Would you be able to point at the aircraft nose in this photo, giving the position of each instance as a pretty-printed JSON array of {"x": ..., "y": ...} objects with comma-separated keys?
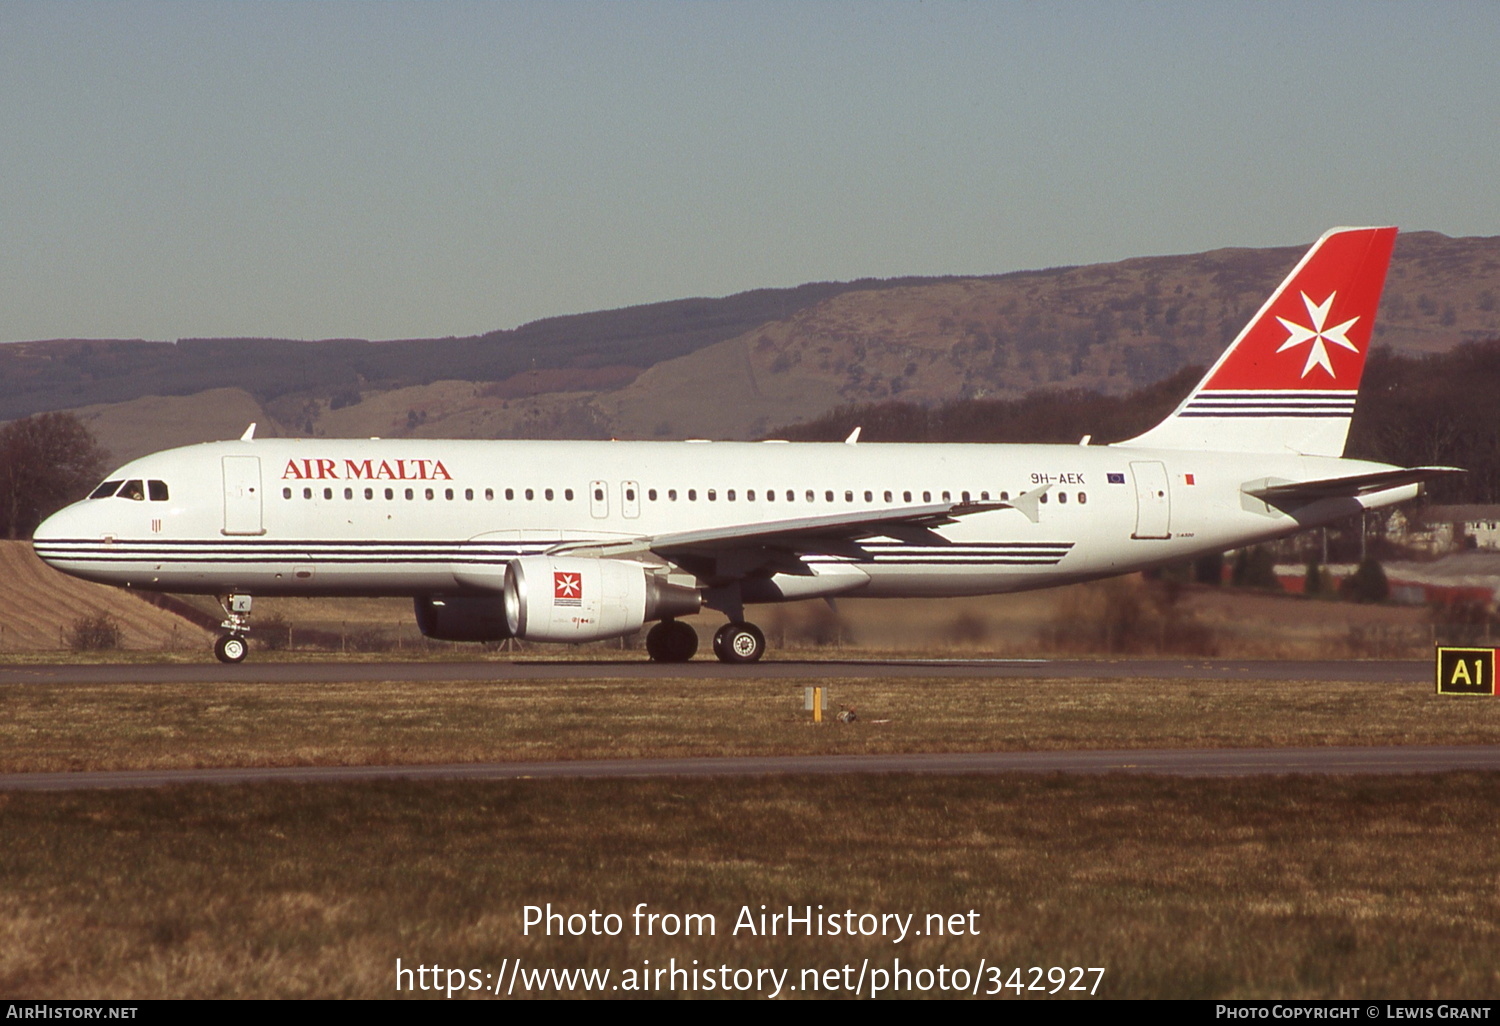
[{"x": 60, "y": 526}]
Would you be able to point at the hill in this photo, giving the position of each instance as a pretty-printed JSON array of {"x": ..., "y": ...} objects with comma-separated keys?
[
  {"x": 735, "y": 367},
  {"x": 39, "y": 606}
]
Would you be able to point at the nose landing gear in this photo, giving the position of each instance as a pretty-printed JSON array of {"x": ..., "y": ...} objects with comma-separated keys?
[{"x": 231, "y": 647}]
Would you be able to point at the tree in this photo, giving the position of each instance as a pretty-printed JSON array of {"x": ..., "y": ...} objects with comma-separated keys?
[{"x": 46, "y": 461}]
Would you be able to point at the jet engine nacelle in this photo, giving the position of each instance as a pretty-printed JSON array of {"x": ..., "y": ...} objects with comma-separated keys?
[
  {"x": 562, "y": 598},
  {"x": 462, "y": 617}
]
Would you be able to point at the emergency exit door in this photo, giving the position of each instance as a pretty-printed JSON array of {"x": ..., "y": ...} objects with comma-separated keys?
[
  {"x": 1153, "y": 500},
  {"x": 242, "y": 495}
]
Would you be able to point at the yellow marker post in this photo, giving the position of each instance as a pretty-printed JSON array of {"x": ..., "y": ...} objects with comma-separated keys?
[
  {"x": 812, "y": 701},
  {"x": 1466, "y": 671}
]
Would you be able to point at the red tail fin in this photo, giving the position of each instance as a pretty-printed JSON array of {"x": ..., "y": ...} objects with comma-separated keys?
[{"x": 1289, "y": 381}]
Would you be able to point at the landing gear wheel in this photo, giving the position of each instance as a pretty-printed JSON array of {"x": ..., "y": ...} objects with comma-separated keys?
[
  {"x": 230, "y": 648},
  {"x": 671, "y": 641},
  {"x": 739, "y": 643}
]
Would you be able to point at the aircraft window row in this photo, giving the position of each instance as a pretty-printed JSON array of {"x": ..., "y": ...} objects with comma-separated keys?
[
  {"x": 158, "y": 493},
  {"x": 137, "y": 491},
  {"x": 425, "y": 493},
  {"x": 771, "y": 495}
]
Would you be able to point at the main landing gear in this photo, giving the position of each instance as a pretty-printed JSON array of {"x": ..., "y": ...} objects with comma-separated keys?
[
  {"x": 231, "y": 647},
  {"x": 673, "y": 641},
  {"x": 739, "y": 642}
]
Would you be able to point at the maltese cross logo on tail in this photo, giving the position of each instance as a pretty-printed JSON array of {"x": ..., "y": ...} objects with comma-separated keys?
[
  {"x": 1318, "y": 334},
  {"x": 567, "y": 589},
  {"x": 1313, "y": 334}
]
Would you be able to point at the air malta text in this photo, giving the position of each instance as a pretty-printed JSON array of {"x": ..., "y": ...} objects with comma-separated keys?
[{"x": 365, "y": 470}]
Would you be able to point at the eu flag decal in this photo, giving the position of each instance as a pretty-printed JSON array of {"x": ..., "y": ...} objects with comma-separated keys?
[{"x": 1116, "y": 478}]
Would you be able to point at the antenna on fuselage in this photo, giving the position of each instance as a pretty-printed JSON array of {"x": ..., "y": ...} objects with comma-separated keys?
[{"x": 249, "y": 435}]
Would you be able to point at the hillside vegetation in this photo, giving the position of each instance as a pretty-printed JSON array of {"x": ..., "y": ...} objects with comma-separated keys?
[
  {"x": 39, "y": 608},
  {"x": 736, "y": 367}
]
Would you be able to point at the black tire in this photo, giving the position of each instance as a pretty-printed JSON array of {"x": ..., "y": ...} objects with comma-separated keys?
[
  {"x": 671, "y": 641},
  {"x": 739, "y": 643},
  {"x": 230, "y": 648}
]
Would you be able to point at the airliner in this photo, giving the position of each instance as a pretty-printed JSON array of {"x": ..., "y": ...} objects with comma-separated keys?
[{"x": 574, "y": 541}]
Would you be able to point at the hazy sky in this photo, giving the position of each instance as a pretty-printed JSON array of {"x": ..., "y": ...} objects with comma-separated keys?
[{"x": 385, "y": 170}]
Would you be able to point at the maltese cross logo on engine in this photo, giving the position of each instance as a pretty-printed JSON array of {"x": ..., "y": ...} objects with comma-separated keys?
[{"x": 1318, "y": 334}]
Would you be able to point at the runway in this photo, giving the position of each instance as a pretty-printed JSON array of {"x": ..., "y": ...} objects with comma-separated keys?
[
  {"x": 639, "y": 669},
  {"x": 1214, "y": 762}
]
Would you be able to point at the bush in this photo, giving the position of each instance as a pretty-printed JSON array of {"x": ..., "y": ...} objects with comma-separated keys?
[
  {"x": 1368, "y": 583},
  {"x": 96, "y": 633}
]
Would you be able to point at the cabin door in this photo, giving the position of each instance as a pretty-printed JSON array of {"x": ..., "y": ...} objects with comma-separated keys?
[
  {"x": 242, "y": 495},
  {"x": 599, "y": 499},
  {"x": 1153, "y": 500}
]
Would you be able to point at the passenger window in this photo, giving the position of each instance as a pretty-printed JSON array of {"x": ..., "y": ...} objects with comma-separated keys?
[
  {"x": 307, "y": 493},
  {"x": 650, "y": 494},
  {"x": 791, "y": 496},
  {"x": 1082, "y": 498},
  {"x": 811, "y": 497},
  {"x": 327, "y": 493},
  {"x": 1005, "y": 496},
  {"x": 869, "y": 496},
  {"x": 729, "y": 495},
  {"x": 671, "y": 494},
  {"x": 692, "y": 495},
  {"x": 848, "y": 496},
  {"x": 926, "y": 496},
  {"x": 965, "y": 496},
  {"x": 448, "y": 494},
  {"x": 906, "y": 496},
  {"x": 157, "y": 490},
  {"x": 770, "y": 495},
  {"x": 468, "y": 495},
  {"x": 530, "y": 495},
  {"x": 510, "y": 495},
  {"x": 546, "y": 494},
  {"x": 369, "y": 493},
  {"x": 489, "y": 495},
  {"x": 1062, "y": 496},
  {"x": 428, "y": 493},
  {"x": 713, "y": 496},
  {"x": 286, "y": 493},
  {"x": 827, "y": 496},
  {"x": 109, "y": 488},
  {"x": 410, "y": 495},
  {"x": 1043, "y": 497},
  {"x": 630, "y": 495},
  {"x": 947, "y": 496},
  {"x": 984, "y": 496},
  {"x": 348, "y": 493},
  {"x": 750, "y": 495},
  {"x": 568, "y": 494},
  {"x": 887, "y": 496},
  {"x": 390, "y": 493}
]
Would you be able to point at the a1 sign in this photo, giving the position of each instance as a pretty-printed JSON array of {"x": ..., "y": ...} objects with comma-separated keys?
[{"x": 1466, "y": 671}]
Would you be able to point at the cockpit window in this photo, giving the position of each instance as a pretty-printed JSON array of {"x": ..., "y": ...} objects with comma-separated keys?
[
  {"x": 133, "y": 490},
  {"x": 157, "y": 490},
  {"x": 105, "y": 490}
]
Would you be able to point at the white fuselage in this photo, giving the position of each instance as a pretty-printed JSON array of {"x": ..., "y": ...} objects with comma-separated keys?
[{"x": 432, "y": 517}]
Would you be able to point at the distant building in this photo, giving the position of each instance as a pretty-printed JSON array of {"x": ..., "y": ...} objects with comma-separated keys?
[{"x": 1440, "y": 529}]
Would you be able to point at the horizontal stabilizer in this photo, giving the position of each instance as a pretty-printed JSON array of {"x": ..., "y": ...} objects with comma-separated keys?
[{"x": 1345, "y": 487}]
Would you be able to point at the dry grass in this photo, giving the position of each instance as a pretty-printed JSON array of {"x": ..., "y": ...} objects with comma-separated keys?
[
  {"x": 1270, "y": 887},
  {"x": 47, "y": 727}
]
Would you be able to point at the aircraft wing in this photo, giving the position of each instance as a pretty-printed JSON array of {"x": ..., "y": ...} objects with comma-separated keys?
[
  {"x": 824, "y": 532},
  {"x": 1345, "y": 487}
]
